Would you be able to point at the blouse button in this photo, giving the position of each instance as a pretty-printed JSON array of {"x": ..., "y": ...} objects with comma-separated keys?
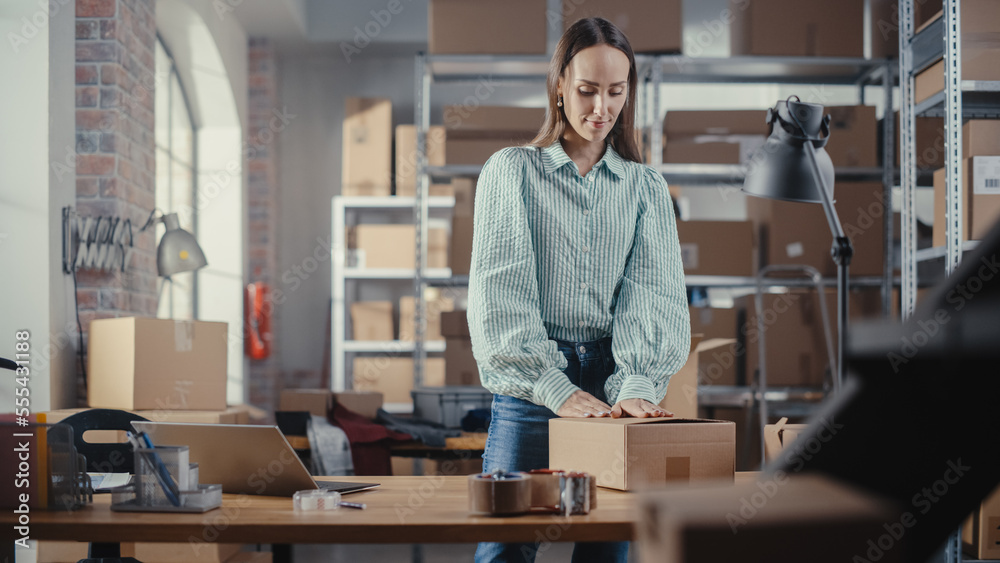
[{"x": 586, "y": 212}]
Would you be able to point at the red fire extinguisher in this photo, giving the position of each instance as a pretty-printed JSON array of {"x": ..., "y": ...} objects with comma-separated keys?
[{"x": 257, "y": 308}]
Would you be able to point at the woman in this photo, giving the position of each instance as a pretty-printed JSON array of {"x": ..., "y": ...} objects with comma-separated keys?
[{"x": 576, "y": 291}]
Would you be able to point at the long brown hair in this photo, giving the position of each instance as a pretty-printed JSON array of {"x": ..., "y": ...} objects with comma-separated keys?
[{"x": 582, "y": 34}]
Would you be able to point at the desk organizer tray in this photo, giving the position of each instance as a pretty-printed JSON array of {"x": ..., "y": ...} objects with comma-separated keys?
[{"x": 202, "y": 499}]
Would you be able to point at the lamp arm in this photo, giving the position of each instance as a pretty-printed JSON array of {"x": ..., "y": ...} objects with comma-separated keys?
[{"x": 842, "y": 252}]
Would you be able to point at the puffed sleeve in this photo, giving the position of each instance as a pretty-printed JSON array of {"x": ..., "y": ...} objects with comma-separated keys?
[
  {"x": 651, "y": 326},
  {"x": 509, "y": 341}
]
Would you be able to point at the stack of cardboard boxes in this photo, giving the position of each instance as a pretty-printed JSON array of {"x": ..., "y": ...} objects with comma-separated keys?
[{"x": 470, "y": 135}]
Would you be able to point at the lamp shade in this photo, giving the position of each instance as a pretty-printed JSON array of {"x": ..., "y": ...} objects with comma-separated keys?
[
  {"x": 781, "y": 169},
  {"x": 178, "y": 251}
]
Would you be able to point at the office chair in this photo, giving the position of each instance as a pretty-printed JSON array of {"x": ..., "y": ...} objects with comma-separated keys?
[{"x": 104, "y": 458}]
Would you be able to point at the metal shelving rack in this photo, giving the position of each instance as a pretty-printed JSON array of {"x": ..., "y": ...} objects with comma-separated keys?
[
  {"x": 654, "y": 71},
  {"x": 344, "y": 275},
  {"x": 960, "y": 100}
]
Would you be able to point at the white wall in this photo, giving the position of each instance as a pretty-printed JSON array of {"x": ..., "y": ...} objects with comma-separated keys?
[{"x": 38, "y": 130}]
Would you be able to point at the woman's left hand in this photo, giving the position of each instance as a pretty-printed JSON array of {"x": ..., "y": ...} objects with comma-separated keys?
[{"x": 639, "y": 408}]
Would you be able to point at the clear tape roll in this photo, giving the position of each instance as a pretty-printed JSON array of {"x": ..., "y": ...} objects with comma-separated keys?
[{"x": 499, "y": 494}]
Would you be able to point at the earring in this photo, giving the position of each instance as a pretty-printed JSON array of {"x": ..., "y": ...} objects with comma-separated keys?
[{"x": 559, "y": 103}]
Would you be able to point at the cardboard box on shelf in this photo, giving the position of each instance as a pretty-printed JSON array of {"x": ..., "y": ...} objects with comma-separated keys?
[
  {"x": 141, "y": 363},
  {"x": 365, "y": 403},
  {"x": 811, "y": 28},
  {"x": 372, "y": 320},
  {"x": 779, "y": 436},
  {"x": 885, "y": 29},
  {"x": 981, "y": 530},
  {"x": 980, "y": 198},
  {"x": 682, "y": 391},
  {"x": 391, "y": 246},
  {"x": 315, "y": 401},
  {"x": 475, "y": 133},
  {"x": 478, "y": 119},
  {"x": 689, "y": 152},
  {"x": 980, "y": 137},
  {"x": 853, "y": 136},
  {"x": 476, "y": 147},
  {"x": 717, "y": 248},
  {"x": 434, "y": 303},
  {"x": 679, "y": 125},
  {"x": 406, "y": 159},
  {"x": 929, "y": 139},
  {"x": 462, "y": 27},
  {"x": 793, "y": 333},
  {"x": 748, "y": 441},
  {"x": 393, "y": 377},
  {"x": 717, "y": 361},
  {"x": 980, "y": 49},
  {"x": 464, "y": 190},
  {"x": 321, "y": 401},
  {"x": 804, "y": 514},
  {"x": 460, "y": 366},
  {"x": 639, "y": 452},
  {"x": 714, "y": 322},
  {"x": 651, "y": 26},
  {"x": 437, "y": 247},
  {"x": 455, "y": 323},
  {"x": 460, "y": 255},
  {"x": 367, "y": 152},
  {"x": 797, "y": 233},
  {"x": 383, "y": 246}
]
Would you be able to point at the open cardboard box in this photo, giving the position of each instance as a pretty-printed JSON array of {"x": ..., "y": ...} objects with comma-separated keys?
[{"x": 636, "y": 452}]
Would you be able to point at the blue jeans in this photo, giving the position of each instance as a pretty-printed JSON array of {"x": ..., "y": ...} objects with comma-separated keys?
[{"x": 518, "y": 440}]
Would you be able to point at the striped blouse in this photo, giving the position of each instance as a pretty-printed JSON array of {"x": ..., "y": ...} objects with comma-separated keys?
[{"x": 577, "y": 258}]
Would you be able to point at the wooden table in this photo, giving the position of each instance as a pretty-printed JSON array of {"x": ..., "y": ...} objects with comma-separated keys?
[
  {"x": 466, "y": 446},
  {"x": 403, "y": 510}
]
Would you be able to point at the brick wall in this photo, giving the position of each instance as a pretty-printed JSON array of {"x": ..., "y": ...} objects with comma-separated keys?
[
  {"x": 114, "y": 153},
  {"x": 264, "y": 381}
]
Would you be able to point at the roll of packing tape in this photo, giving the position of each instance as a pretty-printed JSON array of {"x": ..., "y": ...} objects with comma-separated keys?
[
  {"x": 499, "y": 493},
  {"x": 575, "y": 493},
  {"x": 545, "y": 489},
  {"x": 549, "y": 491}
]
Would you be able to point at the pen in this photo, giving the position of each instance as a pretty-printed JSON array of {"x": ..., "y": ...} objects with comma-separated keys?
[{"x": 358, "y": 505}]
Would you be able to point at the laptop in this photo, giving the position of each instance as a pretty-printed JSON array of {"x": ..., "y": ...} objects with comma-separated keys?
[{"x": 249, "y": 459}]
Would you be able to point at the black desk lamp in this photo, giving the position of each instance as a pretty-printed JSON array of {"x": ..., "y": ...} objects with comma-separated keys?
[{"x": 792, "y": 166}]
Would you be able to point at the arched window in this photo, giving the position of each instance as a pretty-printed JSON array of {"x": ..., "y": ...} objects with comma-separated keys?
[{"x": 176, "y": 170}]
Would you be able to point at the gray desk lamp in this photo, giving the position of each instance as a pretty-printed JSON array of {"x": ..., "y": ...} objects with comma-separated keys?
[
  {"x": 793, "y": 166},
  {"x": 178, "y": 251}
]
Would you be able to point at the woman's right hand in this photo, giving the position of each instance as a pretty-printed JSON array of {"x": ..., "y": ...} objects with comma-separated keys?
[{"x": 582, "y": 405}]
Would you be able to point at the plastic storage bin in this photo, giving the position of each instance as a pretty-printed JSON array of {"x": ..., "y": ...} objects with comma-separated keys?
[{"x": 448, "y": 404}]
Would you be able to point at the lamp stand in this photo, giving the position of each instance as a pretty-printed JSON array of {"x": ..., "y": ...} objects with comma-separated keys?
[{"x": 842, "y": 251}]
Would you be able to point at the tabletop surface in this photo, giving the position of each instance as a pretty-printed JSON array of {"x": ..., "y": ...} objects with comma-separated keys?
[{"x": 430, "y": 509}]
